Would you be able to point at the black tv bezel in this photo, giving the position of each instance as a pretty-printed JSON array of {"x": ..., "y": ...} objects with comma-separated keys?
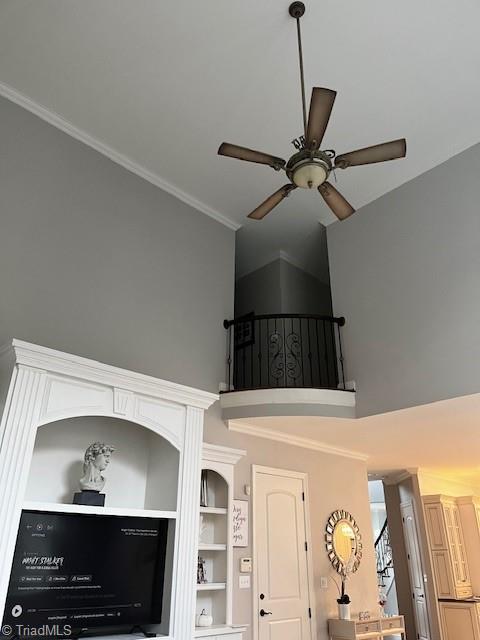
[{"x": 104, "y": 630}]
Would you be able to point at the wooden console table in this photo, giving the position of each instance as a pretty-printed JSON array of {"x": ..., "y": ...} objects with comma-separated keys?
[{"x": 372, "y": 629}]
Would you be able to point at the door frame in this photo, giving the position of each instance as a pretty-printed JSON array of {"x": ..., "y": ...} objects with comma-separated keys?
[
  {"x": 299, "y": 475},
  {"x": 411, "y": 503}
]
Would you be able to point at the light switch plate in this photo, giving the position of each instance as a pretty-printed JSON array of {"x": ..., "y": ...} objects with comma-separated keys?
[
  {"x": 323, "y": 583},
  {"x": 244, "y": 582}
]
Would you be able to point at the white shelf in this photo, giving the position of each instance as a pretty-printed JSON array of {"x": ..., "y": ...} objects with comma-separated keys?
[
  {"x": 128, "y": 636},
  {"x": 104, "y": 511},
  {"x": 203, "y": 546},
  {"x": 214, "y": 510},
  {"x": 219, "y": 630},
  {"x": 211, "y": 586}
]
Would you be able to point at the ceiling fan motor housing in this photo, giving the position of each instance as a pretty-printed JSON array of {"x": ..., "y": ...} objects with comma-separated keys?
[
  {"x": 296, "y": 9},
  {"x": 308, "y": 169}
]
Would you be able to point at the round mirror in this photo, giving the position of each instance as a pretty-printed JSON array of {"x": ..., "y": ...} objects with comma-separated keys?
[{"x": 344, "y": 542}]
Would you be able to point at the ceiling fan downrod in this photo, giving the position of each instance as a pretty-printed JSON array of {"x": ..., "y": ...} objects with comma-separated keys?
[
  {"x": 310, "y": 167},
  {"x": 296, "y": 10}
]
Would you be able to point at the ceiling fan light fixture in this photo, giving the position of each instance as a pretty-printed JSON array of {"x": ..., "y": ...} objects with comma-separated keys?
[
  {"x": 310, "y": 166},
  {"x": 310, "y": 175}
]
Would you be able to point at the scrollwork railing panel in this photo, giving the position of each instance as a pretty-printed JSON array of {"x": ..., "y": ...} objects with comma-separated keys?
[{"x": 284, "y": 351}]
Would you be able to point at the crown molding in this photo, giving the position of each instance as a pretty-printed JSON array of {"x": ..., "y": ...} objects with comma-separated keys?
[
  {"x": 124, "y": 161},
  {"x": 33, "y": 356},
  {"x": 217, "y": 453},
  {"x": 295, "y": 441}
]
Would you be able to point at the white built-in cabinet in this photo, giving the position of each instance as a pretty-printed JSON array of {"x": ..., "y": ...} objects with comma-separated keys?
[
  {"x": 469, "y": 507},
  {"x": 460, "y": 620},
  {"x": 447, "y": 547},
  {"x": 215, "y": 540},
  {"x": 453, "y": 526},
  {"x": 54, "y": 405}
]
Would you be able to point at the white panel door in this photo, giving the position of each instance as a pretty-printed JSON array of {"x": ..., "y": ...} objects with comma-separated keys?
[
  {"x": 282, "y": 584},
  {"x": 415, "y": 571}
]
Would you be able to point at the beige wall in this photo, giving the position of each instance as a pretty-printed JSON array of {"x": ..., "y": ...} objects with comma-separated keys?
[
  {"x": 334, "y": 483},
  {"x": 437, "y": 484}
]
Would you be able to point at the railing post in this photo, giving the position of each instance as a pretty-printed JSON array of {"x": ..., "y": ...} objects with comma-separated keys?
[
  {"x": 228, "y": 327},
  {"x": 341, "y": 323}
]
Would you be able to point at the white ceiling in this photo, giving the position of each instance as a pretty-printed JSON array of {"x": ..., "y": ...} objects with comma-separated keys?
[
  {"x": 163, "y": 83},
  {"x": 442, "y": 438}
]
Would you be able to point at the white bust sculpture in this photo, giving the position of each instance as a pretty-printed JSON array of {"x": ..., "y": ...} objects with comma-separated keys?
[{"x": 97, "y": 459}]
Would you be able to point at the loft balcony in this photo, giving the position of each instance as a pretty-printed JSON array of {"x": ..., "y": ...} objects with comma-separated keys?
[{"x": 285, "y": 365}]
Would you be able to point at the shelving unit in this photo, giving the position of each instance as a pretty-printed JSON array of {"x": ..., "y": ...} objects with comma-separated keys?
[
  {"x": 213, "y": 510},
  {"x": 212, "y": 547},
  {"x": 103, "y": 511},
  {"x": 215, "y": 540},
  {"x": 213, "y": 586},
  {"x": 57, "y": 405}
]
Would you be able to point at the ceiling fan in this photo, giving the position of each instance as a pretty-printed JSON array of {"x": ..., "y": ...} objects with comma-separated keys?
[{"x": 310, "y": 166}]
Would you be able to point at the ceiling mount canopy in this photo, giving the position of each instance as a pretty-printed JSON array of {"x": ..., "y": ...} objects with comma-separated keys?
[{"x": 310, "y": 167}]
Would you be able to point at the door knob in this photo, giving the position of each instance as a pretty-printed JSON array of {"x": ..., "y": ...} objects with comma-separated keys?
[{"x": 265, "y": 613}]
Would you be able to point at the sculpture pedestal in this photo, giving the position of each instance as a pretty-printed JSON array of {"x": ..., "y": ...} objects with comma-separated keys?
[{"x": 90, "y": 498}]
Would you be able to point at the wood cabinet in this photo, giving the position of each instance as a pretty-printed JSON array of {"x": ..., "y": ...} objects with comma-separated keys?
[
  {"x": 460, "y": 620},
  {"x": 447, "y": 545}
]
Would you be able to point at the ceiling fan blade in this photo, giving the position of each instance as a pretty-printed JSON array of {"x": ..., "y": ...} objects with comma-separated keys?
[
  {"x": 370, "y": 155},
  {"x": 271, "y": 202},
  {"x": 321, "y": 106},
  {"x": 249, "y": 155},
  {"x": 334, "y": 199}
]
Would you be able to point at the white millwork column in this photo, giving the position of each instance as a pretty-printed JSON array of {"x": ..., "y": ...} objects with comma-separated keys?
[
  {"x": 19, "y": 425},
  {"x": 185, "y": 597}
]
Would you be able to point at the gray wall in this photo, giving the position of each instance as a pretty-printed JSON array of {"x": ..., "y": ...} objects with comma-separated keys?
[
  {"x": 405, "y": 274},
  {"x": 302, "y": 292},
  {"x": 259, "y": 291},
  {"x": 280, "y": 287},
  {"x": 334, "y": 483},
  {"x": 98, "y": 262}
]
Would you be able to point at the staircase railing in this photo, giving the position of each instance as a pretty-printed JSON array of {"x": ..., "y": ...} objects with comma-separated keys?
[{"x": 383, "y": 552}]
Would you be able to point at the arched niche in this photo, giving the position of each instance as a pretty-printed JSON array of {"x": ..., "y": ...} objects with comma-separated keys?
[
  {"x": 143, "y": 473},
  {"x": 216, "y": 488}
]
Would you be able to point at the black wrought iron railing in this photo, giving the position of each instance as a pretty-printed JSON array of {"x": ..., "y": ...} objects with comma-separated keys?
[
  {"x": 383, "y": 553},
  {"x": 269, "y": 351}
]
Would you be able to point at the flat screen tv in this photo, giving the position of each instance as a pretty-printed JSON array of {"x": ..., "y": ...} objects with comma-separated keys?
[{"x": 87, "y": 571}]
